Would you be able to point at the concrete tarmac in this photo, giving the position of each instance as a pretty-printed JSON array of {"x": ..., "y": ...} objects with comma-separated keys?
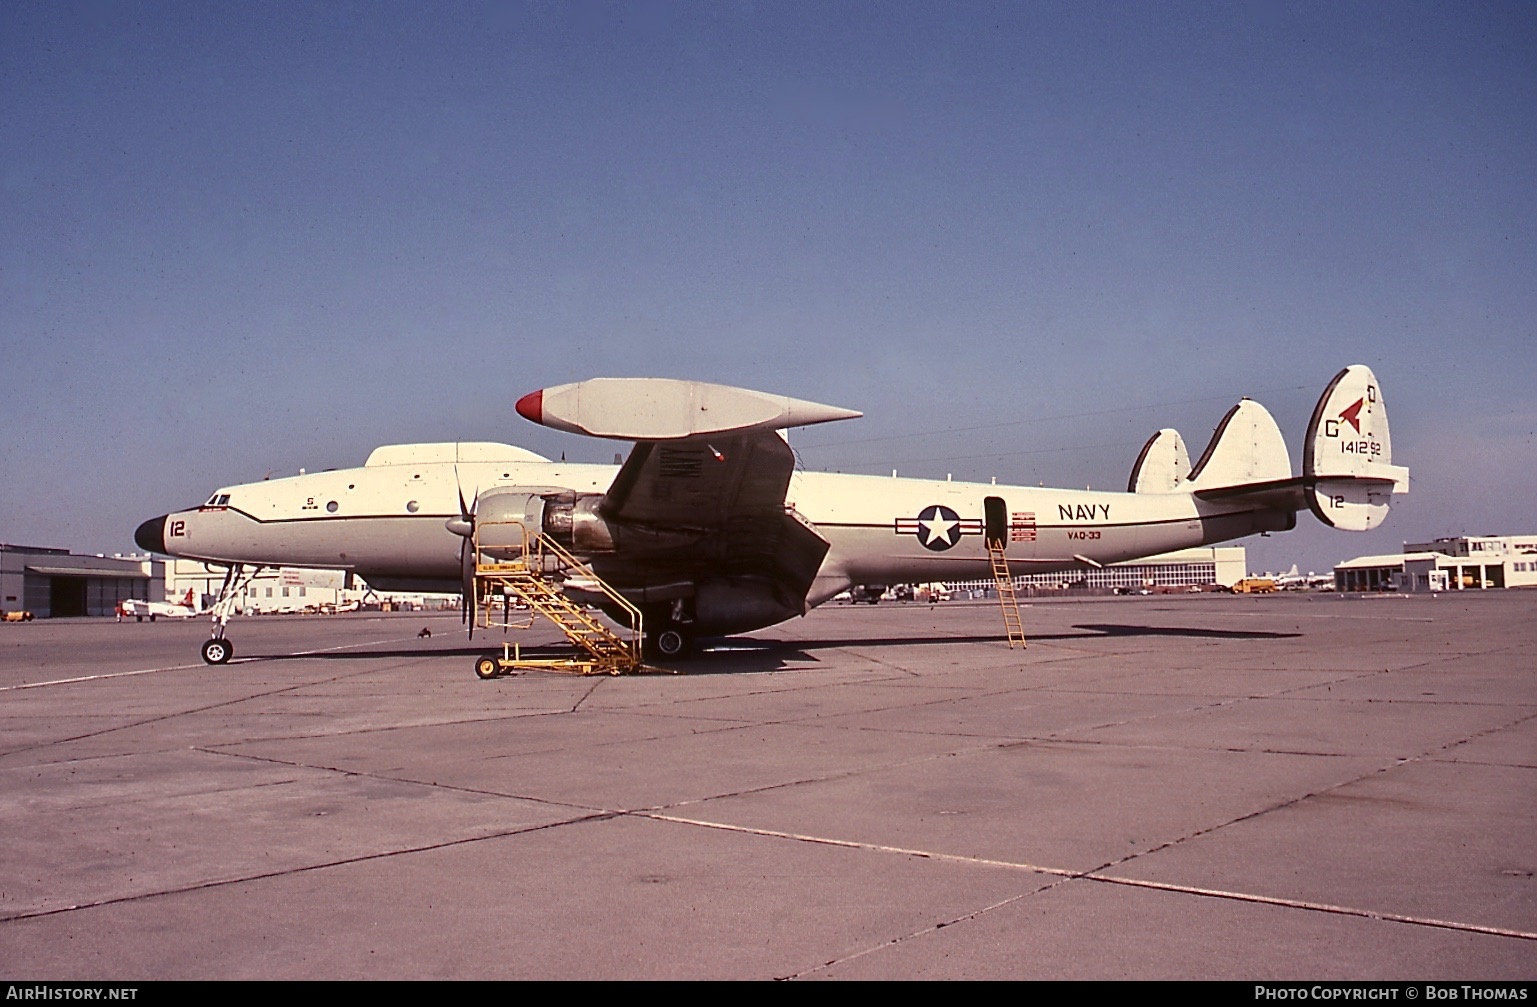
[{"x": 1301, "y": 787}]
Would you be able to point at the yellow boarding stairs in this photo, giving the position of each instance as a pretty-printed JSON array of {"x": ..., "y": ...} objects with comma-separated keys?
[
  {"x": 1012, "y": 624},
  {"x": 519, "y": 565}
]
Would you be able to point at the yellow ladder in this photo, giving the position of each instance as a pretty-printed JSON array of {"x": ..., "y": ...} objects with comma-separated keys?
[
  {"x": 533, "y": 575},
  {"x": 1012, "y": 624}
]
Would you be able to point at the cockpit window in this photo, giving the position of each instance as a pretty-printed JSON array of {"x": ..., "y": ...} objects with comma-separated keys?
[{"x": 218, "y": 500}]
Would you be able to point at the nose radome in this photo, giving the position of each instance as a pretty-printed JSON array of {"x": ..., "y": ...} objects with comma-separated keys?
[{"x": 150, "y": 535}]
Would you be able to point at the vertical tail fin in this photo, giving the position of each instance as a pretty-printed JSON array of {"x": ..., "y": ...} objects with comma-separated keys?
[
  {"x": 1247, "y": 448},
  {"x": 1347, "y": 462},
  {"x": 1163, "y": 466}
]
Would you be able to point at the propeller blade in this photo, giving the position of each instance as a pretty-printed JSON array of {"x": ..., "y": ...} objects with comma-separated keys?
[
  {"x": 467, "y": 584},
  {"x": 465, "y": 525}
]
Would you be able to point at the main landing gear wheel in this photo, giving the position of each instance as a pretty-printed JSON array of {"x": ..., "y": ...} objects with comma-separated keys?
[
  {"x": 217, "y": 651},
  {"x": 486, "y": 666},
  {"x": 671, "y": 644}
]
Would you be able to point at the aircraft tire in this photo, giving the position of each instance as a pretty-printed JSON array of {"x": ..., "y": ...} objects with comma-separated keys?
[
  {"x": 672, "y": 644},
  {"x": 486, "y": 667},
  {"x": 217, "y": 651}
]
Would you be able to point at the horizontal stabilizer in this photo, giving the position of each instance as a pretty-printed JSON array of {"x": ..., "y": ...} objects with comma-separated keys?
[
  {"x": 1348, "y": 455},
  {"x": 1279, "y": 494},
  {"x": 1163, "y": 466},
  {"x": 1246, "y": 448},
  {"x": 660, "y": 409}
]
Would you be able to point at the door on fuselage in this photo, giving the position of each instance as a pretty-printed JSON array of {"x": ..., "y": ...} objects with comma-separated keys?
[{"x": 995, "y": 522}]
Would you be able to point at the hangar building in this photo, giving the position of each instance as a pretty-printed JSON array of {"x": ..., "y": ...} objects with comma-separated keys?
[
  {"x": 1205, "y": 566},
  {"x": 54, "y": 583},
  {"x": 277, "y": 590},
  {"x": 274, "y": 589},
  {"x": 1459, "y": 563}
]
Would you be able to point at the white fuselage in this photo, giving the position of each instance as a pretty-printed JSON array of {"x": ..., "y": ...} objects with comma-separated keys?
[{"x": 387, "y": 522}]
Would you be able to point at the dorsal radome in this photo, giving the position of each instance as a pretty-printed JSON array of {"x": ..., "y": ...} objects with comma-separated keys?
[{"x": 656, "y": 409}]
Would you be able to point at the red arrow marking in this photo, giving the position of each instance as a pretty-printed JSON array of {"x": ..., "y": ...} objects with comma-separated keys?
[{"x": 1351, "y": 415}]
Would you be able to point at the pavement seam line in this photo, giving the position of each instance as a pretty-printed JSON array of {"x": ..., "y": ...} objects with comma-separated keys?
[
  {"x": 1093, "y": 874},
  {"x": 187, "y": 667},
  {"x": 902, "y": 939},
  {"x": 191, "y": 710},
  {"x": 304, "y": 868}
]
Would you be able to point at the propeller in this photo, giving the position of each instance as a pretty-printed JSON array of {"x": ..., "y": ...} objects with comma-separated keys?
[{"x": 464, "y": 527}]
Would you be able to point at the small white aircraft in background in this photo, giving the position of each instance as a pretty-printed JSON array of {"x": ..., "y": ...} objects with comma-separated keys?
[
  {"x": 1291, "y": 580},
  {"x": 152, "y": 610},
  {"x": 709, "y": 529}
]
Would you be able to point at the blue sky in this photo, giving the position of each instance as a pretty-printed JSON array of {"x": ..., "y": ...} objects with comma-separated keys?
[{"x": 248, "y": 238}]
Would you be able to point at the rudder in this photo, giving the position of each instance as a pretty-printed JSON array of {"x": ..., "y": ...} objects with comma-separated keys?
[{"x": 1347, "y": 456}]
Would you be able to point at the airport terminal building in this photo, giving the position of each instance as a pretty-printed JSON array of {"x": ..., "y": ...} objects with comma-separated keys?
[
  {"x": 55, "y": 584},
  {"x": 1460, "y": 563}
]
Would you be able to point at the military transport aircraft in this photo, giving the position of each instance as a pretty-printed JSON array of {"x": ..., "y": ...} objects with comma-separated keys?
[{"x": 709, "y": 529}]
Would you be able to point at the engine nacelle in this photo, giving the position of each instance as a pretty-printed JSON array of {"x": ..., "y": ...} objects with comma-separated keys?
[
  {"x": 508, "y": 519},
  {"x": 737, "y": 605},
  {"x": 573, "y": 520},
  {"x": 717, "y": 606}
]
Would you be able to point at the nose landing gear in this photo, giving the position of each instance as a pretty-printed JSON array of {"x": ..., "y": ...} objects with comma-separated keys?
[{"x": 218, "y": 650}]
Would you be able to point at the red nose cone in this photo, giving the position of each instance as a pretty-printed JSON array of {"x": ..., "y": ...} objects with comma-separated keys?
[{"x": 531, "y": 406}]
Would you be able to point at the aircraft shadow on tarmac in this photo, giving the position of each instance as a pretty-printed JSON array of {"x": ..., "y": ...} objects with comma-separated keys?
[
  {"x": 735, "y": 655},
  {"x": 1113, "y": 629},
  {"x": 745, "y": 654}
]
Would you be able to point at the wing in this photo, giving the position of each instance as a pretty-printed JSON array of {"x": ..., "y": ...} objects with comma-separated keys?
[
  {"x": 698, "y": 509},
  {"x": 714, "y": 506}
]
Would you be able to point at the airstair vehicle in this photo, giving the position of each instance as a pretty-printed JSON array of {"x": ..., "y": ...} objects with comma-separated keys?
[{"x": 519, "y": 575}]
